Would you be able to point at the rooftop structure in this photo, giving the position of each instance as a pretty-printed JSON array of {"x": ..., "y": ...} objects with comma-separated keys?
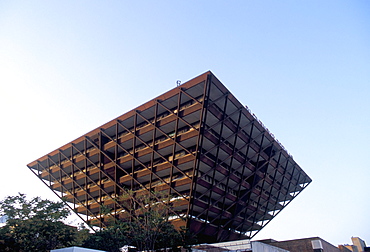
[
  {"x": 196, "y": 142},
  {"x": 358, "y": 245},
  {"x": 312, "y": 244}
]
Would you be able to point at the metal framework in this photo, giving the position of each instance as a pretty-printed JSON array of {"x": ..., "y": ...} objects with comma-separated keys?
[{"x": 197, "y": 143}]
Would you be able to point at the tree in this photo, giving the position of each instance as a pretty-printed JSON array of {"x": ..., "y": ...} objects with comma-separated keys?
[
  {"x": 146, "y": 225},
  {"x": 149, "y": 220},
  {"x": 35, "y": 225},
  {"x": 19, "y": 208}
]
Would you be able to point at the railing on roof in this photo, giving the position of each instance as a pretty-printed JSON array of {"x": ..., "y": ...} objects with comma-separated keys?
[{"x": 268, "y": 131}]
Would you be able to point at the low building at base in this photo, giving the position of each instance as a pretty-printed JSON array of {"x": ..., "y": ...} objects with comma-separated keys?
[
  {"x": 237, "y": 246},
  {"x": 312, "y": 244}
]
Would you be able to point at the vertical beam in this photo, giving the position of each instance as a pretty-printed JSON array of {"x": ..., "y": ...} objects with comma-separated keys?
[{"x": 202, "y": 119}]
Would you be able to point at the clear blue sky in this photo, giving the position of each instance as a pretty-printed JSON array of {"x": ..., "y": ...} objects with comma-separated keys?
[{"x": 303, "y": 67}]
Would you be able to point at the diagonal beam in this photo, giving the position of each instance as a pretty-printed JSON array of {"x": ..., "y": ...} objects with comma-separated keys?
[{"x": 88, "y": 177}]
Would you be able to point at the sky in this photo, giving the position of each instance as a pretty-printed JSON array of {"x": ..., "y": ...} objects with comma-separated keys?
[{"x": 303, "y": 67}]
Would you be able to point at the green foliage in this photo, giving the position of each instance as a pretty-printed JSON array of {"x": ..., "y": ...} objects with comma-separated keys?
[
  {"x": 35, "y": 225},
  {"x": 109, "y": 239},
  {"x": 19, "y": 208},
  {"x": 7, "y": 241},
  {"x": 35, "y": 235},
  {"x": 82, "y": 234}
]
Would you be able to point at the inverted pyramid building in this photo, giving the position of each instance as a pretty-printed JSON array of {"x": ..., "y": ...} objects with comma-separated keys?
[{"x": 196, "y": 142}]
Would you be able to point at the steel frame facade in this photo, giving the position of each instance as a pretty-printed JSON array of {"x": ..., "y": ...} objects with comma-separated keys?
[{"x": 197, "y": 143}]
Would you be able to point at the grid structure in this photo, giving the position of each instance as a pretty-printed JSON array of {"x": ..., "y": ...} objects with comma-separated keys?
[{"x": 196, "y": 143}]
